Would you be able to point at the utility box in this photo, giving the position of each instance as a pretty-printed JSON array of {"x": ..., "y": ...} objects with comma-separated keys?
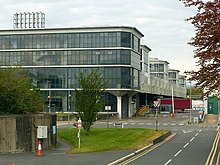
[
  {"x": 42, "y": 132},
  {"x": 212, "y": 105}
]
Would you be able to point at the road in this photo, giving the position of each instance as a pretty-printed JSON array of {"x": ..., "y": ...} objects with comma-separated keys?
[
  {"x": 191, "y": 148},
  {"x": 191, "y": 145},
  {"x": 178, "y": 123}
]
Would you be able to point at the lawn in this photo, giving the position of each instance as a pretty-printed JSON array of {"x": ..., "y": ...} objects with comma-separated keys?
[{"x": 108, "y": 139}]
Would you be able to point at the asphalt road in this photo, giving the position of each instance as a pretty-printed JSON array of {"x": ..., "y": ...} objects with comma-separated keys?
[
  {"x": 191, "y": 148},
  {"x": 191, "y": 145}
]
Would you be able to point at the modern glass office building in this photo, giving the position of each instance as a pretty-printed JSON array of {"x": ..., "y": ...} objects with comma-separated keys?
[{"x": 54, "y": 57}]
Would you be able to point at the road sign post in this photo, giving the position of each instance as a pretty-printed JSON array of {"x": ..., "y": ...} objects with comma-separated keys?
[
  {"x": 156, "y": 105},
  {"x": 108, "y": 108},
  {"x": 79, "y": 124}
]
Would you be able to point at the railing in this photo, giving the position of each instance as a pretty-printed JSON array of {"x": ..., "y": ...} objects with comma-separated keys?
[
  {"x": 142, "y": 110},
  {"x": 162, "y": 87}
]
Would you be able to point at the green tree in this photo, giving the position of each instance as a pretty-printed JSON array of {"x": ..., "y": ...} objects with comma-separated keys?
[
  {"x": 194, "y": 93},
  {"x": 17, "y": 95},
  {"x": 89, "y": 97},
  {"x": 207, "y": 43}
]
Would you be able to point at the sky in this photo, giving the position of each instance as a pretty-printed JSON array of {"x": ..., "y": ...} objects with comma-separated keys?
[{"x": 162, "y": 22}]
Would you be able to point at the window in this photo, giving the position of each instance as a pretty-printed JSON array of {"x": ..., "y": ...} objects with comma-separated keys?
[
  {"x": 136, "y": 43},
  {"x": 126, "y": 39}
]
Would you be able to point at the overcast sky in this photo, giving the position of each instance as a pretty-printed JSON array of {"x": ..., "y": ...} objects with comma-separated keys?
[{"x": 162, "y": 22}]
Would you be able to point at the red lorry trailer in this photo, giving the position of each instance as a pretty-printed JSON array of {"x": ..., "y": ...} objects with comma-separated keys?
[{"x": 179, "y": 105}]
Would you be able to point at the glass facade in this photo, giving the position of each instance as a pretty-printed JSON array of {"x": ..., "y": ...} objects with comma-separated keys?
[
  {"x": 70, "y": 40},
  {"x": 157, "y": 70},
  {"x": 173, "y": 76},
  {"x": 157, "y": 67},
  {"x": 182, "y": 81},
  {"x": 68, "y": 57},
  {"x": 58, "y": 57},
  {"x": 61, "y": 78}
]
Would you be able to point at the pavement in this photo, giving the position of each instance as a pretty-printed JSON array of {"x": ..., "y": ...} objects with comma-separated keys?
[{"x": 60, "y": 156}]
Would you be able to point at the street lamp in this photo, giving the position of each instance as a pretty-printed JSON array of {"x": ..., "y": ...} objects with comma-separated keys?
[
  {"x": 190, "y": 100},
  {"x": 173, "y": 110},
  {"x": 49, "y": 96},
  {"x": 218, "y": 109},
  {"x": 190, "y": 103},
  {"x": 107, "y": 108},
  {"x": 69, "y": 98},
  {"x": 69, "y": 109}
]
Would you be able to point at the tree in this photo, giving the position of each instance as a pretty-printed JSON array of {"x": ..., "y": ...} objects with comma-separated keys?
[
  {"x": 89, "y": 97},
  {"x": 207, "y": 43},
  {"x": 17, "y": 95},
  {"x": 194, "y": 93}
]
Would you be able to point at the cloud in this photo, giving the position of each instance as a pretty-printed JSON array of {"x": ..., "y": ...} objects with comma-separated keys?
[{"x": 161, "y": 22}]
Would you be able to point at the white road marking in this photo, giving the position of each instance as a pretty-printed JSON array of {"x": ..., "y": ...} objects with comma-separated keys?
[
  {"x": 181, "y": 124},
  {"x": 187, "y": 131},
  {"x": 173, "y": 124},
  {"x": 200, "y": 130},
  {"x": 197, "y": 134},
  {"x": 186, "y": 145},
  {"x": 141, "y": 123},
  {"x": 165, "y": 124},
  {"x": 192, "y": 139},
  {"x": 217, "y": 128},
  {"x": 168, "y": 162},
  {"x": 177, "y": 153}
]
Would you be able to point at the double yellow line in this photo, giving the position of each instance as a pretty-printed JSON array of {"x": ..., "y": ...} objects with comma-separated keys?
[{"x": 213, "y": 153}]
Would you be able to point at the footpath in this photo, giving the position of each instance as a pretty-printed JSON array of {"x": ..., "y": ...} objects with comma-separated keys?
[{"x": 60, "y": 156}]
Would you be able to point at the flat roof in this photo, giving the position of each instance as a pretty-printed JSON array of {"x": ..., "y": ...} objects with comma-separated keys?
[
  {"x": 72, "y": 29},
  {"x": 146, "y": 47},
  {"x": 156, "y": 60}
]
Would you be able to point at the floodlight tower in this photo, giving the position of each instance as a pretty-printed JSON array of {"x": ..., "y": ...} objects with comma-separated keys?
[{"x": 29, "y": 20}]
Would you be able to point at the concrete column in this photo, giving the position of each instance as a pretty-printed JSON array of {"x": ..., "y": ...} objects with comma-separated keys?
[
  {"x": 130, "y": 107},
  {"x": 119, "y": 107}
]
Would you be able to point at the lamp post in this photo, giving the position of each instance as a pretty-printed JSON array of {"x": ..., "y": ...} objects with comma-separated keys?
[
  {"x": 190, "y": 98},
  {"x": 69, "y": 100},
  {"x": 172, "y": 115},
  {"x": 49, "y": 96},
  {"x": 107, "y": 111},
  {"x": 190, "y": 104},
  {"x": 218, "y": 109},
  {"x": 69, "y": 109}
]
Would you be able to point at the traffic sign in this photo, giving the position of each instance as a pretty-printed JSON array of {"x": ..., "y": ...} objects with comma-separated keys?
[
  {"x": 108, "y": 108},
  {"x": 79, "y": 123},
  {"x": 156, "y": 104}
]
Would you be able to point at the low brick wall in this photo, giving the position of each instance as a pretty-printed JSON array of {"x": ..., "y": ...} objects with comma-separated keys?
[
  {"x": 18, "y": 133},
  {"x": 101, "y": 116},
  {"x": 161, "y": 138},
  {"x": 65, "y": 117}
]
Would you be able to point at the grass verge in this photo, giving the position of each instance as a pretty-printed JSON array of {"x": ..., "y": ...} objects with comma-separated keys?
[{"x": 108, "y": 139}]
